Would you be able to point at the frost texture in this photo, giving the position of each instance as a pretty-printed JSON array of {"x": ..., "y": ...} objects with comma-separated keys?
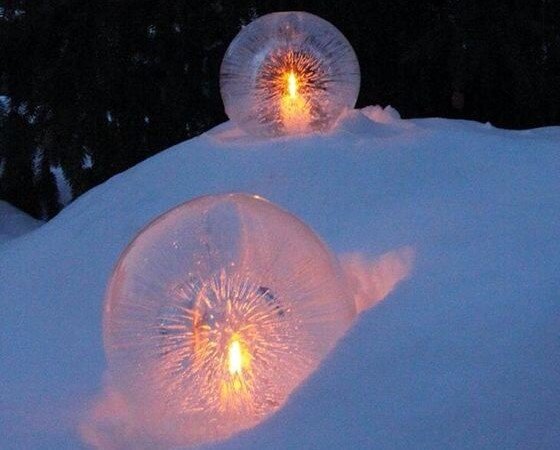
[
  {"x": 216, "y": 312},
  {"x": 288, "y": 73}
]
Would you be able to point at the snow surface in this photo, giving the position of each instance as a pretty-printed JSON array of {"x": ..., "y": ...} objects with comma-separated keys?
[
  {"x": 14, "y": 223},
  {"x": 464, "y": 354}
]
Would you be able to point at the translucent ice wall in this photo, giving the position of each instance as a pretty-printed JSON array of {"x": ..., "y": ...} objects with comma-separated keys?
[
  {"x": 288, "y": 73},
  {"x": 216, "y": 311}
]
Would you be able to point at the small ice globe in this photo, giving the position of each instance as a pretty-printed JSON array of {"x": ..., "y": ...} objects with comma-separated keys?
[
  {"x": 288, "y": 73},
  {"x": 216, "y": 311}
]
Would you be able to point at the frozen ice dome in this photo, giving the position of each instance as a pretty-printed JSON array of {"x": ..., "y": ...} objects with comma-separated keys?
[
  {"x": 288, "y": 73},
  {"x": 216, "y": 311}
]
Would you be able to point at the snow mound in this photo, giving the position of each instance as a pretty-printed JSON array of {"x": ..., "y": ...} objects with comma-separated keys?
[
  {"x": 464, "y": 354},
  {"x": 381, "y": 115},
  {"x": 14, "y": 223}
]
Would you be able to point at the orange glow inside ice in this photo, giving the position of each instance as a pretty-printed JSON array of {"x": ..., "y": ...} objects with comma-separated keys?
[
  {"x": 294, "y": 108},
  {"x": 236, "y": 388},
  {"x": 292, "y": 85},
  {"x": 235, "y": 357}
]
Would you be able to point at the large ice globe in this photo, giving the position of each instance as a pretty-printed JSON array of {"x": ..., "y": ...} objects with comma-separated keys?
[
  {"x": 216, "y": 311},
  {"x": 288, "y": 73}
]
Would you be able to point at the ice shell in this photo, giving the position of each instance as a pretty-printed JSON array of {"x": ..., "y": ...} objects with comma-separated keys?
[
  {"x": 216, "y": 311},
  {"x": 288, "y": 73}
]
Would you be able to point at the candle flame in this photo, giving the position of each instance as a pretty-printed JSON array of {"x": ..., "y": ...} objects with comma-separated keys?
[
  {"x": 294, "y": 108},
  {"x": 235, "y": 357},
  {"x": 235, "y": 391},
  {"x": 292, "y": 85}
]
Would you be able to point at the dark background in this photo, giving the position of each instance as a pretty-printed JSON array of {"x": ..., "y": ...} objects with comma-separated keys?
[{"x": 97, "y": 86}]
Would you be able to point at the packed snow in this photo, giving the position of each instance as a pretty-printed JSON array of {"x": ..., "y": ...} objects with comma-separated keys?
[{"x": 464, "y": 353}]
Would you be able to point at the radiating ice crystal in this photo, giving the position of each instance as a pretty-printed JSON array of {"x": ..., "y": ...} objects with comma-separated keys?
[
  {"x": 216, "y": 311},
  {"x": 288, "y": 73}
]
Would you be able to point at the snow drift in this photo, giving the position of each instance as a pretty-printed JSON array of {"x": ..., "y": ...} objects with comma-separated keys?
[
  {"x": 464, "y": 354},
  {"x": 14, "y": 223}
]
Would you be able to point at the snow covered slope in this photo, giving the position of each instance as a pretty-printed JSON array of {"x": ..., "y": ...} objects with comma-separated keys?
[
  {"x": 465, "y": 354},
  {"x": 14, "y": 223}
]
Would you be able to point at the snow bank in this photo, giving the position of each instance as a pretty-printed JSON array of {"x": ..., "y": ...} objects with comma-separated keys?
[
  {"x": 464, "y": 354},
  {"x": 14, "y": 223}
]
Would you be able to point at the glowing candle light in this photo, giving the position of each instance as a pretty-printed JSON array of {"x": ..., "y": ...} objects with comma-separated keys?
[
  {"x": 235, "y": 358},
  {"x": 292, "y": 85},
  {"x": 294, "y": 109}
]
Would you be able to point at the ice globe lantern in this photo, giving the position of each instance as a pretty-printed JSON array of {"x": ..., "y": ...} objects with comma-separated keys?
[
  {"x": 216, "y": 311},
  {"x": 288, "y": 73}
]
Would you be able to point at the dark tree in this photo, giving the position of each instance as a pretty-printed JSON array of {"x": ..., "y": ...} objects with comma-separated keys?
[{"x": 94, "y": 87}]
